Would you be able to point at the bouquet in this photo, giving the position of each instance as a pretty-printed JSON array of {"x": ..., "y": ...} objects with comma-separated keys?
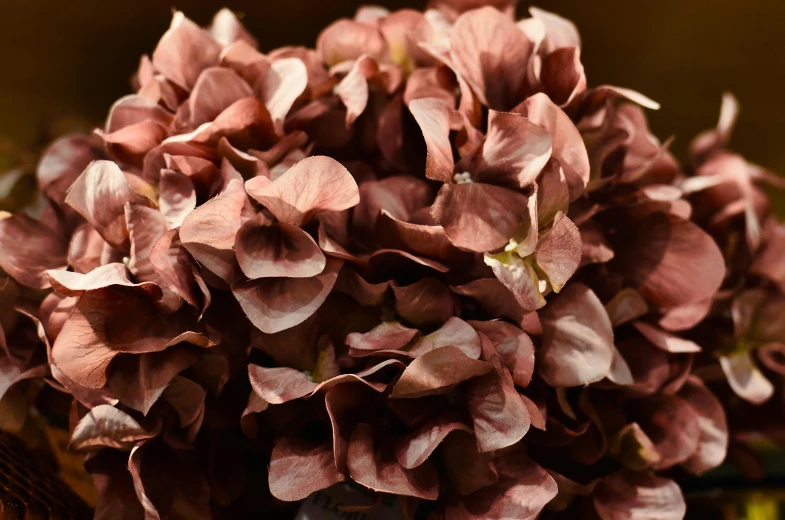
[{"x": 425, "y": 260}]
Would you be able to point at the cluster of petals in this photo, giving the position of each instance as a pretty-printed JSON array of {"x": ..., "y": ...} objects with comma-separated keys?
[{"x": 424, "y": 259}]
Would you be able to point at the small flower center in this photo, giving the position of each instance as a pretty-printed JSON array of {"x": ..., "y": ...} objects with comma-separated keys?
[{"x": 462, "y": 178}]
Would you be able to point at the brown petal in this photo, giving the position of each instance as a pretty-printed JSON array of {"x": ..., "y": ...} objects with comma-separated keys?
[
  {"x": 279, "y": 385},
  {"x": 372, "y": 467},
  {"x": 312, "y": 185},
  {"x": 626, "y": 495},
  {"x": 267, "y": 250},
  {"x": 467, "y": 469},
  {"x": 666, "y": 341},
  {"x": 519, "y": 277},
  {"x": 493, "y": 297},
  {"x": 479, "y": 217},
  {"x": 437, "y": 372},
  {"x": 562, "y": 76},
  {"x": 499, "y": 416},
  {"x": 298, "y": 469},
  {"x": 184, "y": 51},
  {"x": 626, "y": 306},
  {"x": 100, "y": 195},
  {"x": 276, "y": 304},
  {"x": 107, "y": 426},
  {"x": 28, "y": 249},
  {"x": 577, "y": 343},
  {"x": 424, "y": 302},
  {"x": 492, "y": 55},
  {"x": 68, "y": 283},
  {"x": 175, "y": 268}
]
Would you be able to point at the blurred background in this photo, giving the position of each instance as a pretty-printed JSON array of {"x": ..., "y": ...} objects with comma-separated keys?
[{"x": 64, "y": 58}]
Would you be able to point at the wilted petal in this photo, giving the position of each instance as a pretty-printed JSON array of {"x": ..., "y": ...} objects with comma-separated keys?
[
  {"x": 29, "y": 248},
  {"x": 559, "y": 251},
  {"x": 298, "y": 469},
  {"x": 100, "y": 195},
  {"x": 745, "y": 378},
  {"x": 627, "y": 495},
  {"x": 107, "y": 427},
  {"x": 499, "y": 416},
  {"x": 492, "y": 55},
  {"x": 267, "y": 250},
  {"x": 312, "y": 185},
  {"x": 375, "y": 468},
  {"x": 479, "y": 217},
  {"x": 577, "y": 343},
  {"x": 437, "y": 372},
  {"x": 713, "y": 443},
  {"x": 276, "y": 304},
  {"x": 184, "y": 51}
]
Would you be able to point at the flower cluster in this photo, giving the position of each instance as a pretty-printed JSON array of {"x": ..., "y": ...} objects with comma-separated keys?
[{"x": 424, "y": 258}]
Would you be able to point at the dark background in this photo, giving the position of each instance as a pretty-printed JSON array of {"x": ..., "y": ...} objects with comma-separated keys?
[{"x": 62, "y": 58}]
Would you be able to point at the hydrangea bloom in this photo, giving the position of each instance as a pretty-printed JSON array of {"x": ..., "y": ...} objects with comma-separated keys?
[{"x": 424, "y": 258}]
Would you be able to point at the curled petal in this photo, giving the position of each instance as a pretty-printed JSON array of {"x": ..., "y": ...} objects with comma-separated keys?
[
  {"x": 312, "y": 185},
  {"x": 559, "y": 251},
  {"x": 415, "y": 448},
  {"x": 176, "y": 269},
  {"x": 519, "y": 277},
  {"x": 713, "y": 442},
  {"x": 665, "y": 340},
  {"x": 492, "y": 297},
  {"x": 353, "y": 89},
  {"x": 68, "y": 283},
  {"x": 577, "y": 343},
  {"x": 285, "y": 81},
  {"x": 424, "y": 302},
  {"x": 437, "y": 372},
  {"x": 107, "y": 427},
  {"x": 627, "y": 495},
  {"x": 626, "y": 306},
  {"x": 63, "y": 161},
  {"x": 216, "y": 90},
  {"x": 515, "y": 348},
  {"x": 277, "y": 250},
  {"x": 279, "y": 385},
  {"x": 745, "y": 378},
  {"x": 389, "y": 335},
  {"x": 434, "y": 118},
  {"x": 184, "y": 51},
  {"x": 455, "y": 332},
  {"x": 346, "y": 40}
]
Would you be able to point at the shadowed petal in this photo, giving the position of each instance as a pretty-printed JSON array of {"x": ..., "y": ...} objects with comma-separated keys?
[
  {"x": 745, "y": 378},
  {"x": 665, "y": 340},
  {"x": 559, "y": 251},
  {"x": 424, "y": 302},
  {"x": 514, "y": 347},
  {"x": 184, "y": 51},
  {"x": 437, "y": 371},
  {"x": 29, "y": 248},
  {"x": 107, "y": 427},
  {"x": 346, "y": 40},
  {"x": 216, "y": 90},
  {"x": 577, "y": 342},
  {"x": 434, "y": 118},
  {"x": 285, "y": 81},
  {"x": 455, "y": 332},
  {"x": 389, "y": 335},
  {"x": 298, "y": 469},
  {"x": 627, "y": 495},
  {"x": 279, "y": 385},
  {"x": 415, "y": 448},
  {"x": 277, "y": 250},
  {"x": 713, "y": 443}
]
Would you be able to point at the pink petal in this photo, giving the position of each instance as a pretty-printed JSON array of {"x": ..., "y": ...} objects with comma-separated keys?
[
  {"x": 131, "y": 143},
  {"x": 626, "y": 495},
  {"x": 312, "y": 185},
  {"x": 562, "y": 76},
  {"x": 577, "y": 343},
  {"x": 175, "y": 268},
  {"x": 107, "y": 426},
  {"x": 69, "y": 283},
  {"x": 499, "y": 416},
  {"x": 379, "y": 471},
  {"x": 227, "y": 29},
  {"x": 568, "y": 147},
  {"x": 177, "y": 197},
  {"x": 63, "y": 161},
  {"x": 415, "y": 448},
  {"x": 298, "y": 469},
  {"x": 285, "y": 81},
  {"x": 560, "y": 32},
  {"x": 479, "y": 217},
  {"x": 390, "y": 335},
  {"x": 713, "y": 444},
  {"x": 455, "y": 332},
  {"x": 434, "y": 118},
  {"x": 559, "y": 251},
  {"x": 29, "y": 248},
  {"x": 514, "y": 347},
  {"x": 487, "y": 49},
  {"x": 132, "y": 110},
  {"x": 626, "y": 306},
  {"x": 493, "y": 297},
  {"x": 519, "y": 277},
  {"x": 366, "y": 294},
  {"x": 208, "y": 232},
  {"x": 346, "y": 40},
  {"x": 184, "y": 51},
  {"x": 276, "y": 304},
  {"x": 514, "y": 152},
  {"x": 467, "y": 469},
  {"x": 267, "y": 250},
  {"x": 745, "y": 378},
  {"x": 216, "y": 89},
  {"x": 353, "y": 88},
  {"x": 437, "y": 372},
  {"x": 100, "y": 195}
]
